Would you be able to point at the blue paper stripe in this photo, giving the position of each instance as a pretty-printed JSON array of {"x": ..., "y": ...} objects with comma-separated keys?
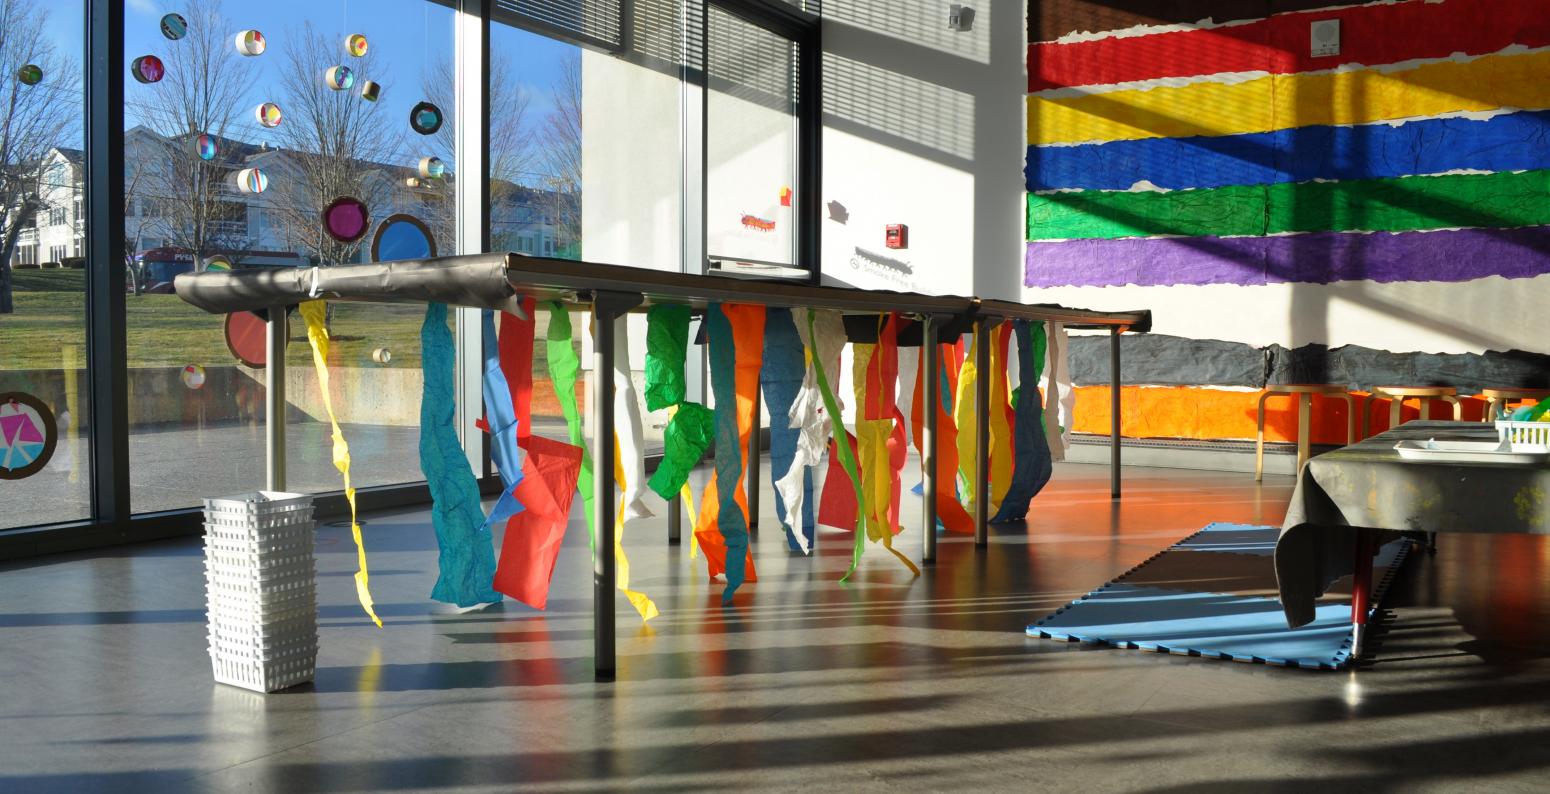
[
  {"x": 501, "y": 415},
  {"x": 780, "y": 376},
  {"x": 729, "y": 461},
  {"x": 1512, "y": 142}
]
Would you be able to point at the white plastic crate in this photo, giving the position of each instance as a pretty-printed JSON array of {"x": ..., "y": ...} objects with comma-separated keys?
[
  {"x": 263, "y": 676},
  {"x": 1528, "y": 434},
  {"x": 260, "y": 572}
]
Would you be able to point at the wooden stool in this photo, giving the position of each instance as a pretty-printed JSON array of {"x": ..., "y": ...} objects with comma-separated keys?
[
  {"x": 1396, "y": 395},
  {"x": 1304, "y": 394},
  {"x": 1505, "y": 396}
]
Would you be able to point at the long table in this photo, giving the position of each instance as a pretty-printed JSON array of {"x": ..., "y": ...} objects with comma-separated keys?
[
  {"x": 1347, "y": 499},
  {"x": 500, "y": 280}
]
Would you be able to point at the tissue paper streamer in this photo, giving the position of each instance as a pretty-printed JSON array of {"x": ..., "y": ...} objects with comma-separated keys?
[
  {"x": 501, "y": 420},
  {"x": 1032, "y": 463},
  {"x": 735, "y": 334},
  {"x": 785, "y": 365},
  {"x": 314, "y": 312},
  {"x": 467, "y": 552},
  {"x": 564, "y": 366},
  {"x": 629, "y": 464},
  {"x": 533, "y": 536}
]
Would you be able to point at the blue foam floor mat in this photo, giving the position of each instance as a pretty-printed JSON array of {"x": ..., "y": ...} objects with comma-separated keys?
[{"x": 1239, "y": 627}]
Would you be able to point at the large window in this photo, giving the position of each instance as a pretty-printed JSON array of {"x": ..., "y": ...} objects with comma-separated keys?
[
  {"x": 267, "y": 114},
  {"x": 44, "y": 410},
  {"x": 650, "y": 133}
]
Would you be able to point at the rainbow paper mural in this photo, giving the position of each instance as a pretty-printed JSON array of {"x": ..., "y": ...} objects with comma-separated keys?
[{"x": 1376, "y": 214}]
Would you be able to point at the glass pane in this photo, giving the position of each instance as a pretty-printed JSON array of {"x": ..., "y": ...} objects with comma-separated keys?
[
  {"x": 265, "y": 117},
  {"x": 750, "y": 143},
  {"x": 44, "y": 407},
  {"x": 587, "y": 163}
]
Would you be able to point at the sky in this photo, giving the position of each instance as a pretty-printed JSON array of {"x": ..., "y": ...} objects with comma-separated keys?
[{"x": 407, "y": 36}]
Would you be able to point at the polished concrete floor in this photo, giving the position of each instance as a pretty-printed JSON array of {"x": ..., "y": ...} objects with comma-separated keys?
[{"x": 886, "y": 683}]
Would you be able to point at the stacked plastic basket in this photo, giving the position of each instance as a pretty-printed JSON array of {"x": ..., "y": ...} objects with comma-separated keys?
[{"x": 259, "y": 580}]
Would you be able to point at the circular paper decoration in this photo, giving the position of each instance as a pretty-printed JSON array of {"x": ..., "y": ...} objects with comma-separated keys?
[
  {"x": 355, "y": 44},
  {"x": 219, "y": 264},
  {"x": 346, "y": 219},
  {"x": 174, "y": 26},
  {"x": 268, "y": 114},
  {"x": 252, "y": 180},
  {"x": 251, "y": 42},
  {"x": 382, "y": 355},
  {"x": 402, "y": 237},
  {"x": 31, "y": 74},
  {"x": 147, "y": 69},
  {"x": 370, "y": 91},
  {"x": 193, "y": 376},
  {"x": 206, "y": 146},
  {"x": 27, "y": 435},
  {"x": 432, "y": 167},
  {"x": 425, "y": 118},
  {"x": 247, "y": 337},
  {"x": 339, "y": 78}
]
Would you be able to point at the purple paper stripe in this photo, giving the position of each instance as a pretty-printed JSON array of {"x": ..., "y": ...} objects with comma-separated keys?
[{"x": 1319, "y": 258}]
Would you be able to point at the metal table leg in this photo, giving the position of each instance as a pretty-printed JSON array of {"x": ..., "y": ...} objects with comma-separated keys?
[
  {"x": 981, "y": 485},
  {"x": 1114, "y": 416},
  {"x": 607, "y": 308},
  {"x": 1361, "y": 590}
]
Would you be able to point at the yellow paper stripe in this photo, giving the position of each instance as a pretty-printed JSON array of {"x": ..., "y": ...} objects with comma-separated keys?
[
  {"x": 642, "y": 604},
  {"x": 314, "y": 313},
  {"x": 967, "y": 421},
  {"x": 1000, "y": 428},
  {"x": 1291, "y": 100}
]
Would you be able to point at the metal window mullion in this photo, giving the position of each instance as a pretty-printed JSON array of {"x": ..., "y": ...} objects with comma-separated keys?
[
  {"x": 106, "y": 351},
  {"x": 472, "y": 193}
]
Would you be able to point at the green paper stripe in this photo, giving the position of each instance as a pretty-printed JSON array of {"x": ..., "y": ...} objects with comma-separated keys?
[
  {"x": 667, "y": 350},
  {"x": 1502, "y": 200},
  {"x": 564, "y": 366},
  {"x": 842, "y": 443}
]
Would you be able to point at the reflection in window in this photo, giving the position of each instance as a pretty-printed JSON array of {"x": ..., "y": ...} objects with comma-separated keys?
[{"x": 42, "y": 302}]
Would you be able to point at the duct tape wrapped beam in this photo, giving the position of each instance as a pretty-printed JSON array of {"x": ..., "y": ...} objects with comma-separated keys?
[{"x": 474, "y": 281}]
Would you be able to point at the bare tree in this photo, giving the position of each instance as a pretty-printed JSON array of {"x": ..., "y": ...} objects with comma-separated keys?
[
  {"x": 336, "y": 144},
  {"x": 34, "y": 119},
  {"x": 560, "y": 146},
  {"x": 512, "y": 146},
  {"x": 197, "y": 207}
]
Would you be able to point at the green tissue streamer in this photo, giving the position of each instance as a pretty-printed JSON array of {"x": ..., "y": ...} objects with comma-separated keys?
[
  {"x": 846, "y": 453},
  {"x": 563, "y": 369},
  {"x": 667, "y": 347},
  {"x": 1501, "y": 200},
  {"x": 688, "y": 434}
]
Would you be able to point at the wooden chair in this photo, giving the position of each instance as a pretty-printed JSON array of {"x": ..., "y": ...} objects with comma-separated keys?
[
  {"x": 1304, "y": 393},
  {"x": 1396, "y": 395},
  {"x": 1505, "y": 397}
]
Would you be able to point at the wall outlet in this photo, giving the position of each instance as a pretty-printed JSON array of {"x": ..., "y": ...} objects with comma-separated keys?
[{"x": 1324, "y": 38}]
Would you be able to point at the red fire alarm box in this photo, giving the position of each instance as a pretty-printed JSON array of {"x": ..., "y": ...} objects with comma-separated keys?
[{"x": 898, "y": 236}]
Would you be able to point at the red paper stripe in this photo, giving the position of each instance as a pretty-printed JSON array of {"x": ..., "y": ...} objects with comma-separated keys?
[{"x": 1369, "y": 35}]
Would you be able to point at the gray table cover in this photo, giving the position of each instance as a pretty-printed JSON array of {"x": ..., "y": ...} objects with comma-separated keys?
[{"x": 1368, "y": 485}]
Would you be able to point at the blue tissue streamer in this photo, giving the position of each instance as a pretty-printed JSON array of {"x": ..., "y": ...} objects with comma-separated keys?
[
  {"x": 1031, "y": 466},
  {"x": 501, "y": 416},
  {"x": 781, "y": 378},
  {"x": 467, "y": 558},
  {"x": 1512, "y": 142},
  {"x": 729, "y": 463}
]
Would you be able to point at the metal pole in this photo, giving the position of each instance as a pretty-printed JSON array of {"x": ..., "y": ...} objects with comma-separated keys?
[
  {"x": 982, "y": 343},
  {"x": 929, "y": 401},
  {"x": 753, "y": 467},
  {"x": 274, "y": 399},
  {"x": 675, "y": 520},
  {"x": 604, "y": 572},
  {"x": 1114, "y": 387}
]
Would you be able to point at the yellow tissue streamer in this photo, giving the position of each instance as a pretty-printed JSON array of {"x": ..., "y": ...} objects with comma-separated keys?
[
  {"x": 1293, "y": 100},
  {"x": 877, "y": 474},
  {"x": 965, "y": 419},
  {"x": 314, "y": 312},
  {"x": 1000, "y": 428},
  {"x": 642, "y": 604}
]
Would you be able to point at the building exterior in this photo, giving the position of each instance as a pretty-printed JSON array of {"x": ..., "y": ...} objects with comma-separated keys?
[{"x": 254, "y": 226}]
